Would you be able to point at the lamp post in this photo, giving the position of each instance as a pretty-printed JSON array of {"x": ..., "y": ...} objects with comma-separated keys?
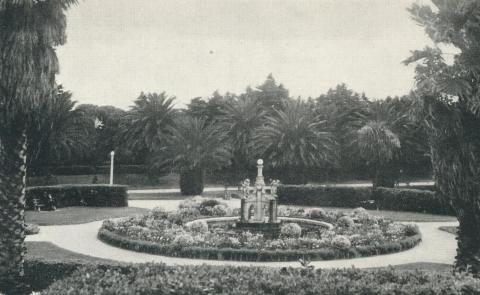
[{"x": 112, "y": 154}]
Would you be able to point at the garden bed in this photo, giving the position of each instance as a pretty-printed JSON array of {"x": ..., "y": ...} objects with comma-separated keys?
[{"x": 184, "y": 234}]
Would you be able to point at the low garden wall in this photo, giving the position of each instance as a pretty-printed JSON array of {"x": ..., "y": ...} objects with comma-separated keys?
[
  {"x": 397, "y": 199},
  {"x": 95, "y": 195}
]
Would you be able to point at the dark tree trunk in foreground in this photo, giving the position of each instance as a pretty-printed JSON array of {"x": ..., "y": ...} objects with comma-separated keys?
[
  {"x": 455, "y": 143},
  {"x": 12, "y": 205}
]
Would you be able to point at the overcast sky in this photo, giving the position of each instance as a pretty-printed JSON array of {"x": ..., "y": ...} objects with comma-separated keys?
[{"x": 190, "y": 48}]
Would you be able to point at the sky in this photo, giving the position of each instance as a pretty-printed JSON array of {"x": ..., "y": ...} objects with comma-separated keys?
[{"x": 188, "y": 48}]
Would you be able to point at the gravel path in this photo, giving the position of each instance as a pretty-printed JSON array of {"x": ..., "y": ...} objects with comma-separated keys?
[{"x": 437, "y": 246}]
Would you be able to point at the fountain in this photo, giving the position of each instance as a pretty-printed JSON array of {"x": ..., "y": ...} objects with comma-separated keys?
[{"x": 258, "y": 207}]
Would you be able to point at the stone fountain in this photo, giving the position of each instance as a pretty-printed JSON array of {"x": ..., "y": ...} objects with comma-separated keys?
[{"x": 258, "y": 207}]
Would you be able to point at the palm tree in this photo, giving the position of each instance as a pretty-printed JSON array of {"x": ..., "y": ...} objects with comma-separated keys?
[
  {"x": 449, "y": 105},
  {"x": 196, "y": 146},
  {"x": 294, "y": 140},
  {"x": 28, "y": 64},
  {"x": 242, "y": 116},
  {"x": 61, "y": 132},
  {"x": 378, "y": 140},
  {"x": 147, "y": 124}
]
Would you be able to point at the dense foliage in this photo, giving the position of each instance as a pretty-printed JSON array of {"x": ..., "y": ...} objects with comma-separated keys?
[
  {"x": 161, "y": 279},
  {"x": 449, "y": 104},
  {"x": 175, "y": 234},
  {"x": 78, "y": 195},
  {"x": 396, "y": 199}
]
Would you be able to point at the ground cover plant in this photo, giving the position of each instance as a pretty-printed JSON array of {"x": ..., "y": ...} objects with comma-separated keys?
[
  {"x": 161, "y": 279},
  {"x": 183, "y": 233}
]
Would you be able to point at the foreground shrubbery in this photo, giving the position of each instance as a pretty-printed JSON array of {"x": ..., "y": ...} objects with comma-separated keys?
[
  {"x": 161, "y": 279},
  {"x": 170, "y": 233},
  {"x": 100, "y": 195},
  {"x": 397, "y": 199}
]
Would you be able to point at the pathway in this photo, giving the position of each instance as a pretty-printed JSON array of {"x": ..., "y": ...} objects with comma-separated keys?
[{"x": 436, "y": 247}]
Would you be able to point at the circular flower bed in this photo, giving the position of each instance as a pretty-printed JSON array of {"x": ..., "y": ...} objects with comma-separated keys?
[{"x": 186, "y": 233}]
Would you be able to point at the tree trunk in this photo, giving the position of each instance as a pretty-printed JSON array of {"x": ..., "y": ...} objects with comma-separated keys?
[
  {"x": 455, "y": 151},
  {"x": 191, "y": 182},
  {"x": 12, "y": 205}
]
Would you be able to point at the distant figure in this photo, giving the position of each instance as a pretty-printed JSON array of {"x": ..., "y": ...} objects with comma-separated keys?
[
  {"x": 51, "y": 203},
  {"x": 95, "y": 179}
]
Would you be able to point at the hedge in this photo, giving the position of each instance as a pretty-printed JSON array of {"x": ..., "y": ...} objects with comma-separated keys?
[
  {"x": 41, "y": 273},
  {"x": 161, "y": 279},
  {"x": 103, "y": 169},
  {"x": 316, "y": 195},
  {"x": 95, "y": 195},
  {"x": 114, "y": 239},
  {"x": 397, "y": 199},
  {"x": 410, "y": 200}
]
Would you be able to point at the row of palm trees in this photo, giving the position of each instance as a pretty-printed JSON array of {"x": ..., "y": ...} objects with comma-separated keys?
[{"x": 293, "y": 139}]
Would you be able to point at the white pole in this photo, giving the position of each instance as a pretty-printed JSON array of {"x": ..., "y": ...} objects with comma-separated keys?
[{"x": 112, "y": 154}]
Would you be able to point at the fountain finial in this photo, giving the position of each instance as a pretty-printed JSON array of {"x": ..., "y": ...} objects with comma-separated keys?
[{"x": 259, "y": 181}]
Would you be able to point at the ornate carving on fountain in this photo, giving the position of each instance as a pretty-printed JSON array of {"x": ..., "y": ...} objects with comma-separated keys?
[{"x": 258, "y": 206}]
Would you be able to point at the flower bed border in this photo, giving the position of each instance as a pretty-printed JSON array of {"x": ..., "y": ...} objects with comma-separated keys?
[{"x": 123, "y": 242}]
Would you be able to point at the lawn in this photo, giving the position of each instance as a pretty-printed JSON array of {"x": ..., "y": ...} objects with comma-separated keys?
[{"x": 77, "y": 215}]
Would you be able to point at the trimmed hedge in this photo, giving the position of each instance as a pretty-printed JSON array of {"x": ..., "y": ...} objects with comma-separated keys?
[
  {"x": 396, "y": 199},
  {"x": 103, "y": 169},
  {"x": 161, "y": 279},
  {"x": 41, "y": 273},
  {"x": 95, "y": 195},
  {"x": 316, "y": 195},
  {"x": 410, "y": 200},
  {"x": 253, "y": 254}
]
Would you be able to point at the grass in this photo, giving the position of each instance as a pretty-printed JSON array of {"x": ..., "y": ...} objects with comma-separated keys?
[
  {"x": 77, "y": 215},
  {"x": 48, "y": 251}
]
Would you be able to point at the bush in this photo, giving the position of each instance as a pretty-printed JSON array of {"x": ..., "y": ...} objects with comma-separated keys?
[
  {"x": 410, "y": 200},
  {"x": 318, "y": 213},
  {"x": 345, "y": 221},
  {"x": 204, "y": 279},
  {"x": 95, "y": 195},
  {"x": 396, "y": 199},
  {"x": 31, "y": 229},
  {"x": 197, "y": 226},
  {"x": 291, "y": 230},
  {"x": 315, "y": 195}
]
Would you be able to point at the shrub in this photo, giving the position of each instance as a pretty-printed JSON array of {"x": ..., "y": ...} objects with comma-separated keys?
[
  {"x": 198, "y": 226},
  {"x": 31, "y": 229},
  {"x": 345, "y": 221},
  {"x": 315, "y": 195},
  {"x": 341, "y": 242},
  {"x": 410, "y": 200},
  {"x": 318, "y": 213},
  {"x": 291, "y": 230},
  {"x": 95, "y": 195},
  {"x": 203, "y": 279},
  {"x": 396, "y": 199}
]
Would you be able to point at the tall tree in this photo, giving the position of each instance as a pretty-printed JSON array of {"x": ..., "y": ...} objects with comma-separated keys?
[
  {"x": 61, "y": 132},
  {"x": 449, "y": 102},
  {"x": 270, "y": 95},
  {"x": 147, "y": 124},
  {"x": 242, "y": 116},
  {"x": 344, "y": 112},
  {"x": 196, "y": 146},
  {"x": 378, "y": 141},
  {"x": 28, "y": 64},
  {"x": 294, "y": 140}
]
